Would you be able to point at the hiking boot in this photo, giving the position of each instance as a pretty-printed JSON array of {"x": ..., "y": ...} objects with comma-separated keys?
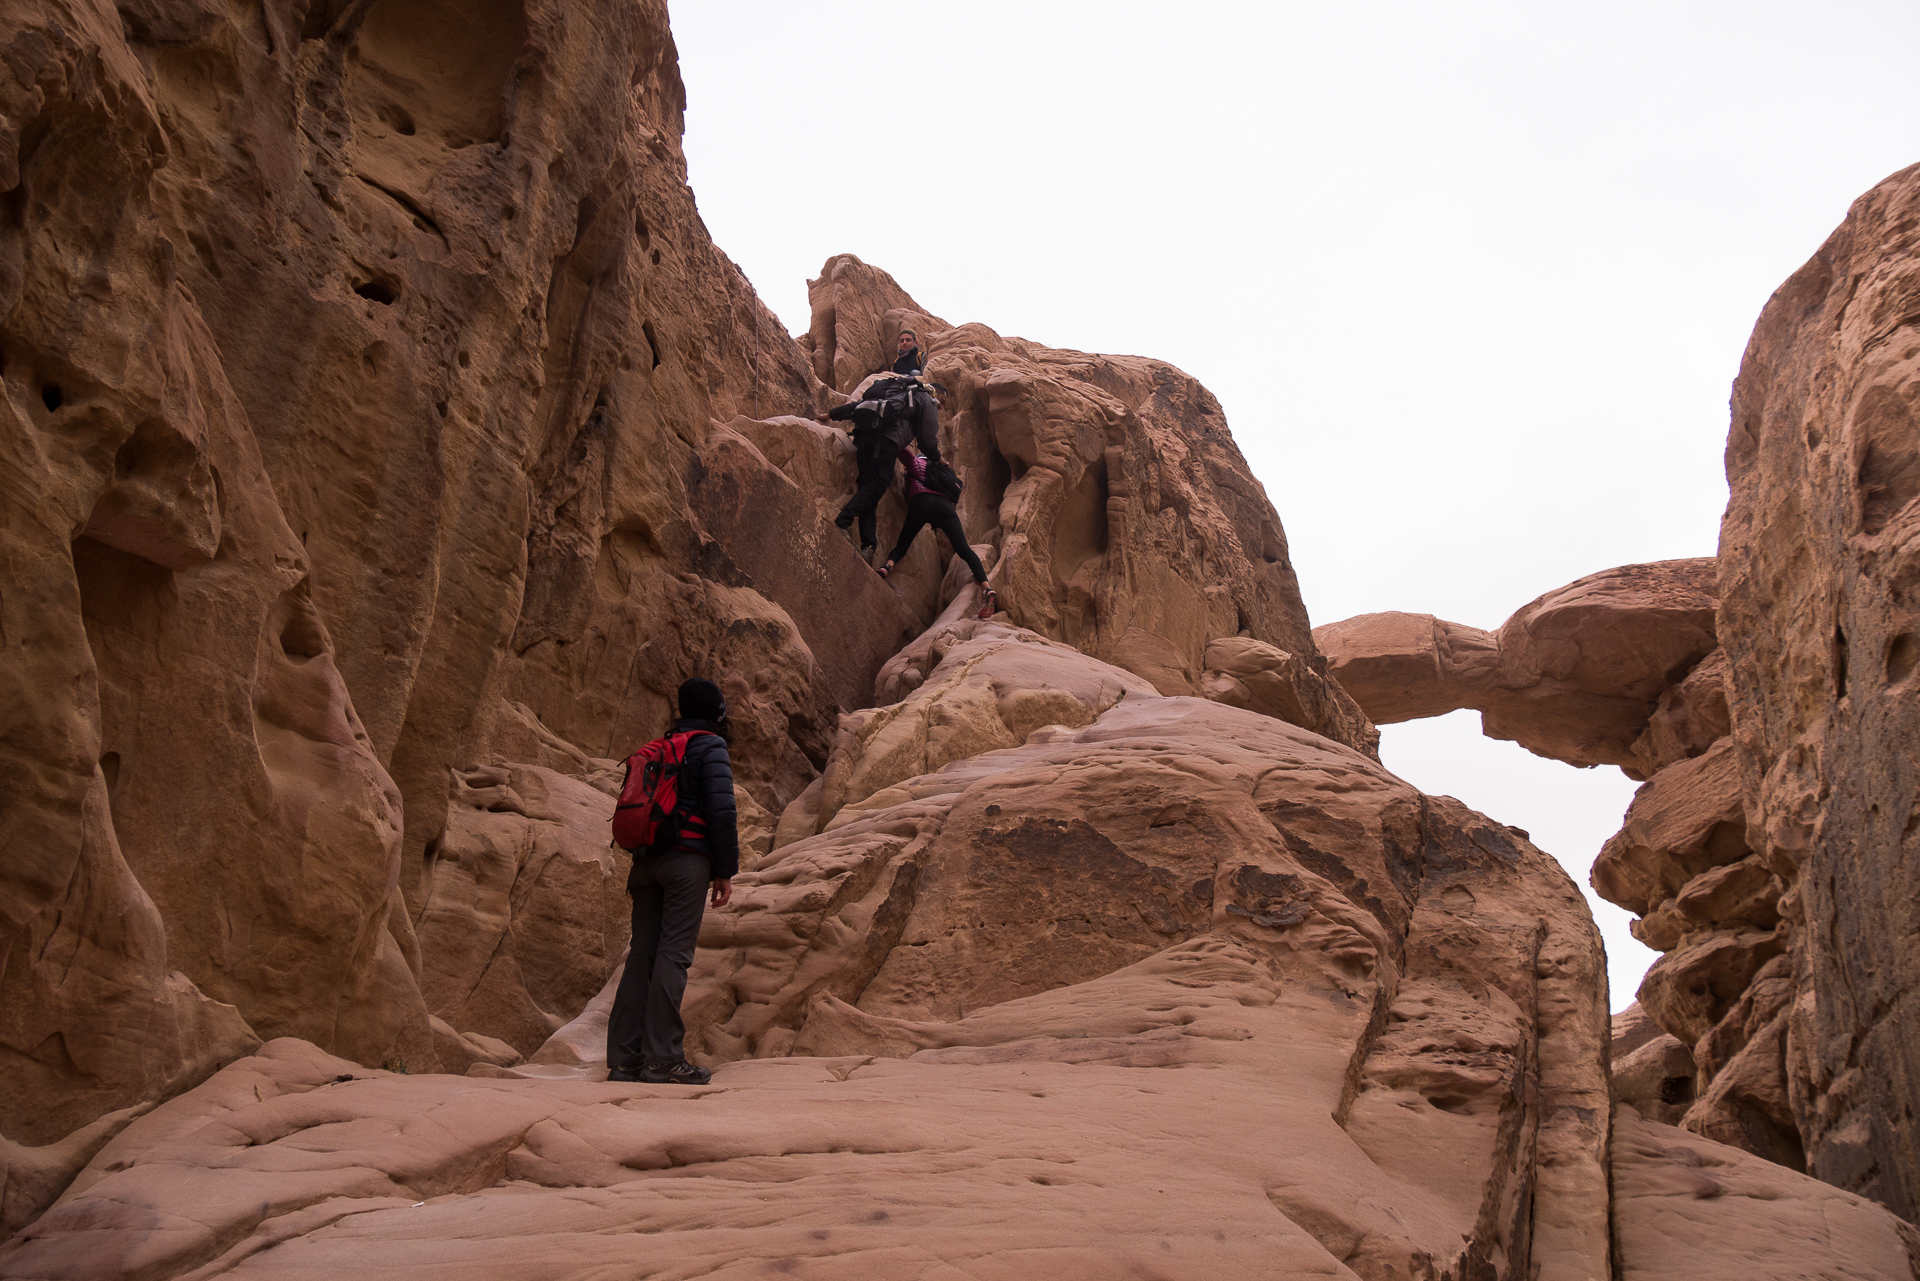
[
  {"x": 623, "y": 1074},
  {"x": 681, "y": 1073},
  {"x": 989, "y": 604}
]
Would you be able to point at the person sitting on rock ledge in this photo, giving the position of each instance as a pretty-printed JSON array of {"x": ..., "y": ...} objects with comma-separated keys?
[
  {"x": 888, "y": 409},
  {"x": 928, "y": 507},
  {"x": 645, "y": 1035}
]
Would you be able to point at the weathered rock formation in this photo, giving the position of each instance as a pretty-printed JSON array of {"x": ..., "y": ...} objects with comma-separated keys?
[
  {"x": 1818, "y": 566},
  {"x": 362, "y": 369},
  {"x": 1771, "y": 853},
  {"x": 1574, "y": 676},
  {"x": 1124, "y": 520},
  {"x": 387, "y": 440},
  {"x": 1157, "y": 984},
  {"x": 1622, "y": 667}
]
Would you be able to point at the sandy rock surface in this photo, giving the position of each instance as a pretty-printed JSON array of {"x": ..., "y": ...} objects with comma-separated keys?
[
  {"x": 1689, "y": 1208},
  {"x": 1185, "y": 989}
]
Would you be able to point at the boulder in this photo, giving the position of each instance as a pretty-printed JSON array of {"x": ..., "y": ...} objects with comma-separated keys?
[
  {"x": 1688, "y": 718},
  {"x": 1656, "y": 1079},
  {"x": 1688, "y": 1208},
  {"x": 1687, "y": 820}
]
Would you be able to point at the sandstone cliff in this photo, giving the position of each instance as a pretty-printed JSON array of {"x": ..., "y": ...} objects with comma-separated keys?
[
  {"x": 1767, "y": 855},
  {"x": 1624, "y": 667},
  {"x": 388, "y": 440},
  {"x": 1817, "y": 566}
]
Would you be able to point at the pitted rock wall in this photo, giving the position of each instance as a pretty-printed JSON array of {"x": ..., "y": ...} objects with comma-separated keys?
[{"x": 1817, "y": 578}]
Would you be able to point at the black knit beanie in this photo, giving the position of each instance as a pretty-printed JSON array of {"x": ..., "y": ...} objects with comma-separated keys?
[{"x": 701, "y": 700}]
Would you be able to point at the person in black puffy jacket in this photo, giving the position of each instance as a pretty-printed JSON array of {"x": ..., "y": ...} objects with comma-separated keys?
[
  {"x": 693, "y": 863},
  {"x": 877, "y": 443}
]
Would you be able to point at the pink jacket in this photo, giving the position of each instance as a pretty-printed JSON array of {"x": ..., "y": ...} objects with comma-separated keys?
[{"x": 916, "y": 466}]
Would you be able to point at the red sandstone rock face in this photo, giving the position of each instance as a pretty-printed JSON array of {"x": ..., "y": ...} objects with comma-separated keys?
[
  {"x": 1610, "y": 669},
  {"x": 1124, "y": 519},
  {"x": 1817, "y": 567},
  {"x": 1575, "y": 675},
  {"x": 388, "y": 441},
  {"x": 1159, "y": 970},
  {"x": 361, "y": 366}
]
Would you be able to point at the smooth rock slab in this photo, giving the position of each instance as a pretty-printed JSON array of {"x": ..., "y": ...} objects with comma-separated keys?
[{"x": 1689, "y": 1208}]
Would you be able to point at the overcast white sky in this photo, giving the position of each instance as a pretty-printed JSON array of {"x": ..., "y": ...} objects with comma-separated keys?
[{"x": 1470, "y": 279}]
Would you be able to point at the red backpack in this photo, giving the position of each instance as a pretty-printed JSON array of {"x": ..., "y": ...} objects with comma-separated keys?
[{"x": 651, "y": 809}]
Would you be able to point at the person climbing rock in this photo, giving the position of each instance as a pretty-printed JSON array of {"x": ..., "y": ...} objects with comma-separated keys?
[
  {"x": 692, "y": 864},
  {"x": 888, "y": 409},
  {"x": 927, "y": 507},
  {"x": 924, "y": 420},
  {"x": 908, "y": 359}
]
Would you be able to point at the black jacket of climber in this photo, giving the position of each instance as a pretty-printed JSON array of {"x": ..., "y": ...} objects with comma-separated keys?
[{"x": 898, "y": 407}]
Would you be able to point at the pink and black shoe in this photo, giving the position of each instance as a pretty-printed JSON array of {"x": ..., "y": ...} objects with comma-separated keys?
[{"x": 989, "y": 604}]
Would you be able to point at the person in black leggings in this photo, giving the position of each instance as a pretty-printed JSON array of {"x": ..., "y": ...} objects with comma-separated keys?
[{"x": 925, "y": 507}]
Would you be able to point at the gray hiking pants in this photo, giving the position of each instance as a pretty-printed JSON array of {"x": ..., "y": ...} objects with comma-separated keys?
[{"x": 669, "y": 897}]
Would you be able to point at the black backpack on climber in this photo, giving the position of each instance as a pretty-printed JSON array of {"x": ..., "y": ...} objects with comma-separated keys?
[
  {"x": 944, "y": 481},
  {"x": 653, "y": 808}
]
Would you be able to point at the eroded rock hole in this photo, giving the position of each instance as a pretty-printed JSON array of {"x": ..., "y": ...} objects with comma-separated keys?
[
  {"x": 50, "y": 397},
  {"x": 1903, "y": 654},
  {"x": 644, "y": 236},
  {"x": 381, "y": 291},
  {"x": 301, "y": 638},
  {"x": 1676, "y": 1090},
  {"x": 653, "y": 341},
  {"x": 110, "y": 769},
  {"x": 1887, "y": 474}
]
